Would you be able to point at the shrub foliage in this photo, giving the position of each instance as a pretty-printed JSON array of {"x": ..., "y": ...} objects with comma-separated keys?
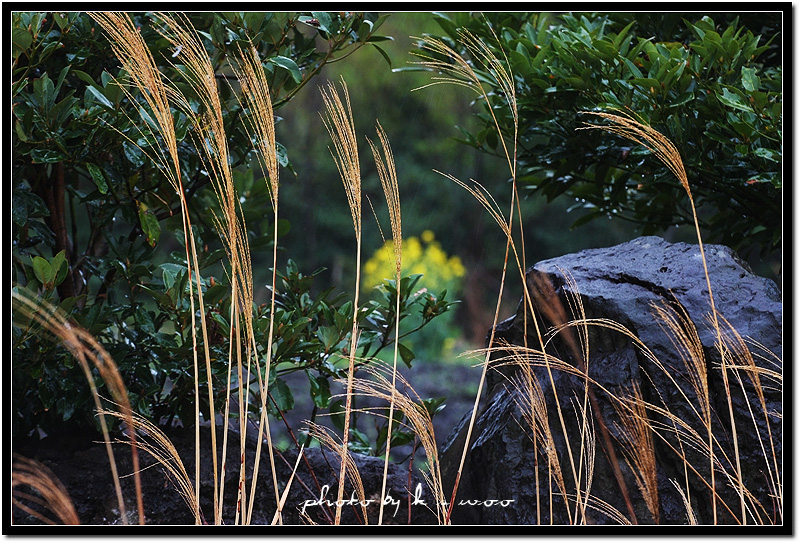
[
  {"x": 97, "y": 226},
  {"x": 712, "y": 88}
]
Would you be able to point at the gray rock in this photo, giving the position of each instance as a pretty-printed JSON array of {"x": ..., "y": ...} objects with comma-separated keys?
[{"x": 621, "y": 283}]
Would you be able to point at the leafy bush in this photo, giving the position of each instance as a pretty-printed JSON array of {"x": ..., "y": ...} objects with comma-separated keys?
[
  {"x": 706, "y": 88},
  {"x": 97, "y": 227},
  {"x": 313, "y": 334},
  {"x": 327, "y": 337}
]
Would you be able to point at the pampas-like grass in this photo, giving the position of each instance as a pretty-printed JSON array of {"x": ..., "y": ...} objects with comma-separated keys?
[
  {"x": 54, "y": 497},
  {"x": 638, "y": 429},
  {"x": 341, "y": 128},
  {"x": 388, "y": 177},
  {"x": 420, "y": 421},
  {"x": 131, "y": 50},
  {"x": 89, "y": 354},
  {"x": 262, "y": 125},
  {"x": 154, "y": 442},
  {"x": 639, "y": 449},
  {"x": 211, "y": 141},
  {"x": 348, "y": 468},
  {"x": 630, "y": 128},
  {"x": 461, "y": 72}
]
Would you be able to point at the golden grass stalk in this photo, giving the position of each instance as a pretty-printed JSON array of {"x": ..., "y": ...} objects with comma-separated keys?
[
  {"x": 630, "y": 128},
  {"x": 586, "y": 451},
  {"x": 725, "y": 368},
  {"x": 35, "y": 475},
  {"x": 342, "y": 131},
  {"x": 533, "y": 406},
  {"x": 462, "y": 73},
  {"x": 134, "y": 55},
  {"x": 262, "y": 124},
  {"x": 690, "y": 516},
  {"x": 380, "y": 387},
  {"x": 639, "y": 450},
  {"x": 349, "y": 468},
  {"x": 739, "y": 351},
  {"x": 550, "y": 305},
  {"x": 212, "y": 143},
  {"x": 605, "y": 508},
  {"x": 89, "y": 354},
  {"x": 154, "y": 442},
  {"x": 388, "y": 177},
  {"x": 277, "y": 518},
  {"x": 683, "y": 430},
  {"x": 685, "y": 342},
  {"x": 681, "y": 335},
  {"x": 588, "y": 448}
]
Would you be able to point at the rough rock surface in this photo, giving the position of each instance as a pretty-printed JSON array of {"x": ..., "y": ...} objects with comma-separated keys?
[
  {"x": 622, "y": 283},
  {"x": 87, "y": 477}
]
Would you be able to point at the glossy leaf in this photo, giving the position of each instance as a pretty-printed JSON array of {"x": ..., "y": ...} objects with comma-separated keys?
[
  {"x": 289, "y": 65},
  {"x": 149, "y": 224}
]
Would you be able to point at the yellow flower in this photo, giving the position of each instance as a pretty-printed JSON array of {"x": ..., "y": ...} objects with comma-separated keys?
[
  {"x": 413, "y": 249},
  {"x": 457, "y": 267},
  {"x": 439, "y": 270}
]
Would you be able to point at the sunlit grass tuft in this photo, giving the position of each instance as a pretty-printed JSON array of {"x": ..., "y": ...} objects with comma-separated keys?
[
  {"x": 388, "y": 176},
  {"x": 90, "y": 355},
  {"x": 27, "y": 473}
]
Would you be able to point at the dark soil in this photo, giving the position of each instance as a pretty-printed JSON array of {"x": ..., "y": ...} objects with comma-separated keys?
[{"x": 81, "y": 463}]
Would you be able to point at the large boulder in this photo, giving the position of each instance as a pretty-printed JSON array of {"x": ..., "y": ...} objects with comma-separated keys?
[{"x": 624, "y": 284}]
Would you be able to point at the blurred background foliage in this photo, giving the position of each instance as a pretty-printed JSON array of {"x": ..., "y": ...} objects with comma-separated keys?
[{"x": 710, "y": 82}]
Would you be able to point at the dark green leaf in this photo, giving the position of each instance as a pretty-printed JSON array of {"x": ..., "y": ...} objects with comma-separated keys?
[
  {"x": 19, "y": 210},
  {"x": 767, "y": 154},
  {"x": 98, "y": 177},
  {"x": 733, "y": 100},
  {"x": 21, "y": 39},
  {"x": 60, "y": 267},
  {"x": 47, "y": 156},
  {"x": 290, "y": 65},
  {"x": 750, "y": 80},
  {"x": 99, "y": 96},
  {"x": 320, "y": 390},
  {"x": 434, "y": 405},
  {"x": 20, "y": 131},
  {"x": 61, "y": 19},
  {"x": 325, "y": 21},
  {"x": 383, "y": 54},
  {"x": 282, "y": 394},
  {"x": 405, "y": 354},
  {"x": 149, "y": 224}
]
